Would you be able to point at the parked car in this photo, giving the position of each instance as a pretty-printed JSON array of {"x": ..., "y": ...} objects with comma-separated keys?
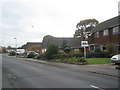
[
  {"x": 32, "y": 52},
  {"x": 116, "y": 59},
  {"x": 20, "y": 51}
]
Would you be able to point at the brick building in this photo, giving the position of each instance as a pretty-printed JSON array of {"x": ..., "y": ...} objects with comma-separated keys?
[{"x": 106, "y": 34}]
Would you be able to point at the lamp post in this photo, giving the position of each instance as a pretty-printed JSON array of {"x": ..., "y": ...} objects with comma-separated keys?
[{"x": 16, "y": 43}]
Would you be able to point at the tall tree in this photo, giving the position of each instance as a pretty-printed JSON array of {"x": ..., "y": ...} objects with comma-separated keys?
[{"x": 85, "y": 26}]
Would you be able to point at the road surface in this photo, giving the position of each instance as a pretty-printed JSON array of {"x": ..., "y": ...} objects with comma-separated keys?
[{"x": 19, "y": 73}]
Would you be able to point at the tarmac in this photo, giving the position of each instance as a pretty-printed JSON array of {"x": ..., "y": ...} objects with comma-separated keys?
[{"x": 103, "y": 69}]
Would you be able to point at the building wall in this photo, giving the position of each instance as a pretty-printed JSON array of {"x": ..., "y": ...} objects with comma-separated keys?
[{"x": 110, "y": 39}]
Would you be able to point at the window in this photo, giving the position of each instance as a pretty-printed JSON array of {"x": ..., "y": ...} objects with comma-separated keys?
[
  {"x": 105, "y": 32},
  {"x": 115, "y": 30},
  {"x": 103, "y": 48},
  {"x": 97, "y": 34}
]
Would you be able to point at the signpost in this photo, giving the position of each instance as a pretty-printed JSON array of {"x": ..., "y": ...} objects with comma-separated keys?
[{"x": 84, "y": 44}]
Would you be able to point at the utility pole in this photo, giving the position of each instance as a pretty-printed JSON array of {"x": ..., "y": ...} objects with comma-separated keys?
[{"x": 15, "y": 43}]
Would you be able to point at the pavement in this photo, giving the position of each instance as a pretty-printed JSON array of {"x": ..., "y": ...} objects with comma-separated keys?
[{"x": 104, "y": 69}]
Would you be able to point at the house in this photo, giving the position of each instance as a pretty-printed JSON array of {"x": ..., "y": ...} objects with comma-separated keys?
[
  {"x": 106, "y": 33},
  {"x": 32, "y": 46},
  {"x": 74, "y": 43}
]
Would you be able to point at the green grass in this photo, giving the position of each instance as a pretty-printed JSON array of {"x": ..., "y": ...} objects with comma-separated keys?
[
  {"x": 20, "y": 55},
  {"x": 98, "y": 60}
]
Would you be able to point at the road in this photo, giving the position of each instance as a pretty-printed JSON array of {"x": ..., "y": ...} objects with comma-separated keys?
[{"x": 19, "y": 73}]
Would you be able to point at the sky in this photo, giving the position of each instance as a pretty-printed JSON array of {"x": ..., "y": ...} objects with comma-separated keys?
[{"x": 31, "y": 20}]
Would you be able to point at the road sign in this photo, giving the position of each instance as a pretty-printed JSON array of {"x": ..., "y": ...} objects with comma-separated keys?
[{"x": 84, "y": 43}]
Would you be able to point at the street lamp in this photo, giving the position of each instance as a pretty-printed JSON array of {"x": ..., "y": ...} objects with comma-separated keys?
[{"x": 16, "y": 43}]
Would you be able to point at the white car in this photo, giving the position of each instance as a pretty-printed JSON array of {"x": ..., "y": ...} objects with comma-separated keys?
[
  {"x": 20, "y": 51},
  {"x": 116, "y": 58}
]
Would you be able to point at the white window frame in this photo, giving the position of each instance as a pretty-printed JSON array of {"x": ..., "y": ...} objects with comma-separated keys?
[
  {"x": 105, "y": 32},
  {"x": 115, "y": 30}
]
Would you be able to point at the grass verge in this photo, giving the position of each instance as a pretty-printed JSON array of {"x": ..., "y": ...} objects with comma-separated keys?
[{"x": 98, "y": 60}]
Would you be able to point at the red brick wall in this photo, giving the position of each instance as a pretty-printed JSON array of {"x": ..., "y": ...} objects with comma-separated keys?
[{"x": 110, "y": 38}]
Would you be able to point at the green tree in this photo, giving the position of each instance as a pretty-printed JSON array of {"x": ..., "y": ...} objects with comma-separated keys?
[
  {"x": 51, "y": 50},
  {"x": 66, "y": 48},
  {"x": 84, "y": 27}
]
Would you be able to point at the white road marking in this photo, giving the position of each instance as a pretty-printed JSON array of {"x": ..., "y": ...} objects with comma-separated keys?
[{"x": 93, "y": 86}]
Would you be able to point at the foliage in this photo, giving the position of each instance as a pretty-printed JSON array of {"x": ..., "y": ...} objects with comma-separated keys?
[
  {"x": 65, "y": 47},
  {"x": 11, "y": 53},
  {"x": 85, "y": 26},
  {"x": 59, "y": 56},
  {"x": 82, "y": 59},
  {"x": 98, "y": 55},
  {"x": 51, "y": 51},
  {"x": 111, "y": 49},
  {"x": 72, "y": 60}
]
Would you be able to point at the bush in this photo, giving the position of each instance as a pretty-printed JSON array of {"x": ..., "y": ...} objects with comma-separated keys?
[
  {"x": 97, "y": 55},
  {"x": 59, "y": 56},
  {"x": 79, "y": 55},
  {"x": 51, "y": 51},
  {"x": 31, "y": 55},
  {"x": 12, "y": 53}
]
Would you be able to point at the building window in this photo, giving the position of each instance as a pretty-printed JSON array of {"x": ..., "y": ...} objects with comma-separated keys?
[
  {"x": 105, "y": 32},
  {"x": 97, "y": 34},
  {"x": 103, "y": 48},
  {"x": 115, "y": 30}
]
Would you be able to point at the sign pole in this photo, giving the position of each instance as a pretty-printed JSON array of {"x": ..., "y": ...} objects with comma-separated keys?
[
  {"x": 84, "y": 52},
  {"x": 84, "y": 44}
]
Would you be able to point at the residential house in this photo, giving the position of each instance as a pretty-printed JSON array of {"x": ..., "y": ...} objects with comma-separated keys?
[
  {"x": 74, "y": 43},
  {"x": 106, "y": 33},
  {"x": 29, "y": 45}
]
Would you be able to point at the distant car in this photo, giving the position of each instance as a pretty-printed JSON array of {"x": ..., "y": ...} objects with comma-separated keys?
[
  {"x": 36, "y": 53},
  {"x": 116, "y": 59},
  {"x": 32, "y": 52},
  {"x": 20, "y": 51}
]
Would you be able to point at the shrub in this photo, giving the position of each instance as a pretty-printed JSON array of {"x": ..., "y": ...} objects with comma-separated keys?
[
  {"x": 59, "y": 56},
  {"x": 78, "y": 55},
  {"x": 97, "y": 54},
  {"x": 51, "y": 51}
]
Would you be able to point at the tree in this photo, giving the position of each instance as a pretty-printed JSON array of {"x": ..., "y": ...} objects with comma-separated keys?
[
  {"x": 84, "y": 27},
  {"x": 9, "y": 47},
  {"x": 65, "y": 47},
  {"x": 51, "y": 50}
]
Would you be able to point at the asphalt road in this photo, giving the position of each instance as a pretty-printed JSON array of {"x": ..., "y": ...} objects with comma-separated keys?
[{"x": 18, "y": 73}]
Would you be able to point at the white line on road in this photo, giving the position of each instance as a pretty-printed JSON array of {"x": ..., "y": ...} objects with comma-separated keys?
[{"x": 93, "y": 86}]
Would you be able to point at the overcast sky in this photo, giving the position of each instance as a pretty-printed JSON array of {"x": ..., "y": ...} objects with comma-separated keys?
[{"x": 31, "y": 20}]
